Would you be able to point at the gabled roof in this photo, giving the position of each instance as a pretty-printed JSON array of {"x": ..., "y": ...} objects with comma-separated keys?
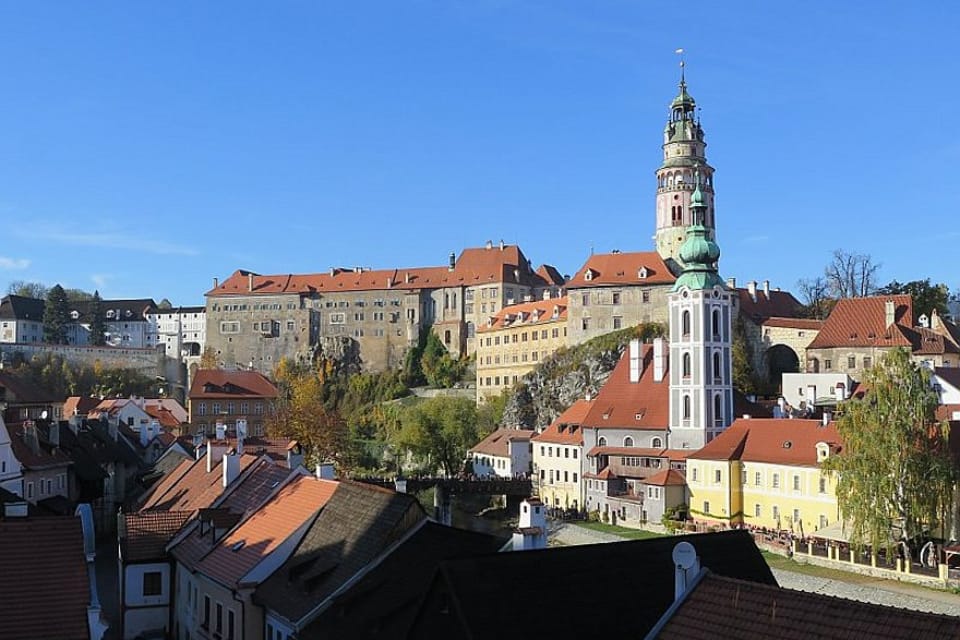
[
  {"x": 21, "y": 308},
  {"x": 79, "y": 406},
  {"x": 145, "y": 535},
  {"x": 550, "y": 275},
  {"x": 383, "y": 603},
  {"x": 666, "y": 478},
  {"x": 22, "y": 391},
  {"x": 359, "y": 523},
  {"x": 772, "y": 304},
  {"x": 255, "y": 538},
  {"x": 45, "y": 588},
  {"x": 134, "y": 310},
  {"x": 190, "y": 486},
  {"x": 566, "y": 428},
  {"x": 222, "y": 383},
  {"x": 613, "y": 269},
  {"x": 787, "y": 442},
  {"x": 861, "y": 322},
  {"x": 623, "y": 404},
  {"x": 498, "y": 442},
  {"x": 633, "y": 585},
  {"x": 929, "y": 342},
  {"x": 45, "y": 456},
  {"x": 162, "y": 415},
  {"x": 528, "y": 314},
  {"x": 724, "y": 607}
]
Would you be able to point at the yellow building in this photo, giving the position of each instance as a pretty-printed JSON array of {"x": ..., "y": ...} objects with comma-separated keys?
[
  {"x": 558, "y": 459},
  {"x": 766, "y": 473},
  {"x": 515, "y": 340}
]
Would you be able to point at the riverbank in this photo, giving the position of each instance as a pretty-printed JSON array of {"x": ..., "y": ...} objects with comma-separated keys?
[{"x": 793, "y": 575}]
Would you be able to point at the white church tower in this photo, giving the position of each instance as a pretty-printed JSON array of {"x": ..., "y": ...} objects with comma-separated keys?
[{"x": 700, "y": 315}]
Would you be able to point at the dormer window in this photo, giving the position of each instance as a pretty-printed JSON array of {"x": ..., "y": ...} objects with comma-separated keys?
[
  {"x": 642, "y": 273},
  {"x": 75, "y": 315},
  {"x": 588, "y": 275},
  {"x": 823, "y": 451}
]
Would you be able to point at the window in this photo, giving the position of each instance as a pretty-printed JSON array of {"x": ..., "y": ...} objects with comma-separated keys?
[
  {"x": 215, "y": 408},
  {"x": 776, "y": 481},
  {"x": 152, "y": 584},
  {"x": 206, "y": 613},
  {"x": 851, "y": 362},
  {"x": 776, "y": 513},
  {"x": 337, "y": 318},
  {"x": 644, "y": 296},
  {"x": 29, "y": 491},
  {"x": 585, "y": 299},
  {"x": 796, "y": 483},
  {"x": 202, "y": 409},
  {"x": 258, "y": 408},
  {"x": 231, "y": 625},
  {"x": 756, "y": 510},
  {"x": 716, "y": 324},
  {"x": 685, "y": 323},
  {"x": 229, "y": 327},
  {"x": 617, "y": 322},
  {"x": 827, "y": 365},
  {"x": 694, "y": 474},
  {"x": 628, "y": 441},
  {"x": 756, "y": 478},
  {"x": 585, "y": 324},
  {"x": 867, "y": 362},
  {"x": 244, "y": 408},
  {"x": 218, "y": 628},
  {"x": 230, "y": 407},
  {"x": 717, "y": 476},
  {"x": 686, "y": 407},
  {"x": 706, "y": 507},
  {"x": 796, "y": 515},
  {"x": 616, "y": 297},
  {"x": 717, "y": 368},
  {"x": 718, "y": 410},
  {"x": 656, "y": 443},
  {"x": 823, "y": 485},
  {"x": 602, "y": 442},
  {"x": 686, "y": 365}
]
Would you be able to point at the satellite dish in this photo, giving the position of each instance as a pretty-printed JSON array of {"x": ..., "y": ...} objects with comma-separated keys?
[
  {"x": 684, "y": 555},
  {"x": 43, "y": 414}
]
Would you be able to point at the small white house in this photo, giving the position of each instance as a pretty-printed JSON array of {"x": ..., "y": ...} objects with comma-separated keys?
[
  {"x": 505, "y": 453},
  {"x": 808, "y": 390}
]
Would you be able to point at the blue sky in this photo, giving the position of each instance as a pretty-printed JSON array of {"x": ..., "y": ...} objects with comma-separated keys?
[{"x": 146, "y": 148}]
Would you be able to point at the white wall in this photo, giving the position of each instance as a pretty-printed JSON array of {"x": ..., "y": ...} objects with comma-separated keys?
[
  {"x": 795, "y": 386},
  {"x": 155, "y": 614}
]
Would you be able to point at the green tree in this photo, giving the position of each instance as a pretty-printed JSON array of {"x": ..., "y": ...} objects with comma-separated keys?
[
  {"x": 744, "y": 377},
  {"x": 438, "y": 431},
  {"x": 439, "y": 368},
  {"x": 926, "y": 297},
  {"x": 165, "y": 305},
  {"x": 894, "y": 471},
  {"x": 56, "y": 316},
  {"x": 490, "y": 413},
  {"x": 98, "y": 330}
]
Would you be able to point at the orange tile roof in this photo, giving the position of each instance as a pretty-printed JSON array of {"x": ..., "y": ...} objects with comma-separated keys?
[
  {"x": 861, "y": 322},
  {"x": 78, "y": 406},
  {"x": 267, "y": 528},
  {"x": 566, "y": 428},
  {"x": 794, "y": 323},
  {"x": 666, "y": 478},
  {"x": 611, "y": 269},
  {"x": 481, "y": 265},
  {"x": 164, "y": 416},
  {"x": 787, "y": 442},
  {"x": 497, "y": 443},
  {"x": 222, "y": 383},
  {"x": 637, "y": 405},
  {"x": 528, "y": 313},
  {"x": 191, "y": 486}
]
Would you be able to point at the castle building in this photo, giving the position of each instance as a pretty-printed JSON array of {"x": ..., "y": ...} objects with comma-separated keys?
[{"x": 701, "y": 310}]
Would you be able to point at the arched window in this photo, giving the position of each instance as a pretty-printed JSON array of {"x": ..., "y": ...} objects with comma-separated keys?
[
  {"x": 602, "y": 442},
  {"x": 686, "y": 365},
  {"x": 686, "y": 407},
  {"x": 628, "y": 441},
  {"x": 685, "y": 323},
  {"x": 717, "y": 367},
  {"x": 656, "y": 443},
  {"x": 718, "y": 410},
  {"x": 716, "y": 324}
]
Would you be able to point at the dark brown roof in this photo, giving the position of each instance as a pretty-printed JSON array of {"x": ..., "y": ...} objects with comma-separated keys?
[
  {"x": 358, "y": 523},
  {"x": 221, "y": 383},
  {"x": 45, "y": 589},
  {"x": 722, "y": 607},
  {"x": 145, "y": 535},
  {"x": 22, "y": 391},
  {"x": 779, "y": 304},
  {"x": 21, "y": 308},
  {"x": 43, "y": 457}
]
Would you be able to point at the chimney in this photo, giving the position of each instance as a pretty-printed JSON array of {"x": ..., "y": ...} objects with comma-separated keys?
[
  {"x": 324, "y": 471},
  {"x": 241, "y": 434},
  {"x": 659, "y": 359},
  {"x": 827, "y": 416},
  {"x": 389, "y": 282},
  {"x": 54, "y": 434},
  {"x": 294, "y": 457},
  {"x": 752, "y": 289},
  {"x": 501, "y": 244},
  {"x": 221, "y": 430},
  {"x": 30, "y": 437},
  {"x": 406, "y": 277},
  {"x": 935, "y": 322},
  {"x": 589, "y": 396},
  {"x": 249, "y": 282},
  {"x": 333, "y": 271},
  {"x": 766, "y": 288},
  {"x": 732, "y": 283},
  {"x": 891, "y": 312},
  {"x": 215, "y": 451},
  {"x": 231, "y": 468},
  {"x": 636, "y": 363},
  {"x": 453, "y": 261},
  {"x": 687, "y": 568},
  {"x": 144, "y": 435},
  {"x": 216, "y": 282},
  {"x": 489, "y": 244}
]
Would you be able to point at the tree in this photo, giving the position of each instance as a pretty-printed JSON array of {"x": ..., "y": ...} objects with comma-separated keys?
[
  {"x": 439, "y": 431},
  {"x": 56, "y": 316},
  {"x": 926, "y": 297},
  {"x": 439, "y": 368},
  {"x": 165, "y": 305},
  {"x": 851, "y": 275},
  {"x": 98, "y": 330},
  {"x": 744, "y": 377},
  {"x": 894, "y": 470},
  {"x": 302, "y": 416},
  {"x": 27, "y": 289},
  {"x": 815, "y": 293},
  {"x": 208, "y": 359}
]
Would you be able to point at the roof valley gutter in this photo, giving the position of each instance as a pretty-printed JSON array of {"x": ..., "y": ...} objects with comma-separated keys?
[{"x": 328, "y": 601}]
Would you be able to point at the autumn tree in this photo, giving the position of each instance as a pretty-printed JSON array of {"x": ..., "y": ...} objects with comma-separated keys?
[
  {"x": 56, "y": 316},
  {"x": 301, "y": 415},
  {"x": 438, "y": 432},
  {"x": 98, "y": 330},
  {"x": 894, "y": 472},
  {"x": 208, "y": 359}
]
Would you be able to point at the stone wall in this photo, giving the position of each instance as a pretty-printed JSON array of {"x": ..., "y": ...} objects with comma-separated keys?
[
  {"x": 149, "y": 362},
  {"x": 607, "y": 306}
]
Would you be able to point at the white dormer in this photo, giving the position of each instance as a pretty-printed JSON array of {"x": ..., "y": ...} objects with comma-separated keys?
[
  {"x": 589, "y": 274},
  {"x": 642, "y": 273},
  {"x": 823, "y": 451}
]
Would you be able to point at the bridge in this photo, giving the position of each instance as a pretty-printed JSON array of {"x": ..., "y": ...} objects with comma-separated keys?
[{"x": 444, "y": 488}]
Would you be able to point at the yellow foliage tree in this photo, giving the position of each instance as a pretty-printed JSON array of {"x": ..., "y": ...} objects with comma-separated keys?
[{"x": 302, "y": 416}]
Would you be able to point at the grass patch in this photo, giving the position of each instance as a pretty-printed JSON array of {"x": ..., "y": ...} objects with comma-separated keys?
[{"x": 623, "y": 532}]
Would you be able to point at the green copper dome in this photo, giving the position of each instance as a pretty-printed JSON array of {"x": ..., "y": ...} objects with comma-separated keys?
[
  {"x": 698, "y": 252},
  {"x": 683, "y": 98}
]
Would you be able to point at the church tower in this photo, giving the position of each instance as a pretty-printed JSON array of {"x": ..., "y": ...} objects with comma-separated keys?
[
  {"x": 683, "y": 151},
  {"x": 700, "y": 318}
]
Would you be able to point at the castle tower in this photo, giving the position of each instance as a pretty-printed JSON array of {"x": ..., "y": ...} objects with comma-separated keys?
[
  {"x": 683, "y": 151},
  {"x": 700, "y": 317}
]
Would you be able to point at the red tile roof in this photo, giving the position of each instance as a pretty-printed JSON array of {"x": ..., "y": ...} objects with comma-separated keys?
[
  {"x": 145, "y": 535},
  {"x": 164, "y": 416},
  {"x": 794, "y": 323},
  {"x": 474, "y": 266},
  {"x": 566, "y": 428},
  {"x": 45, "y": 589},
  {"x": 255, "y": 538},
  {"x": 787, "y": 442},
  {"x": 497, "y": 443},
  {"x": 550, "y": 275},
  {"x": 221, "y": 383},
  {"x": 527, "y": 314},
  {"x": 930, "y": 342},
  {"x": 779, "y": 304},
  {"x": 78, "y": 406},
  {"x": 666, "y": 478},
  {"x": 721, "y": 607},
  {"x": 611, "y": 269},
  {"x": 632, "y": 405},
  {"x": 190, "y": 486},
  {"x": 861, "y": 322}
]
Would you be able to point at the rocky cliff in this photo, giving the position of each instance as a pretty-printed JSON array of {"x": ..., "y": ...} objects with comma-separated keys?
[{"x": 567, "y": 375}]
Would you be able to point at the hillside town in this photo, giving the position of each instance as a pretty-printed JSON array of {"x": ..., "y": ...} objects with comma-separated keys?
[{"x": 403, "y": 452}]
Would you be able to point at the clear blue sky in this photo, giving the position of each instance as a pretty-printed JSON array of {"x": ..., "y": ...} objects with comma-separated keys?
[{"x": 147, "y": 147}]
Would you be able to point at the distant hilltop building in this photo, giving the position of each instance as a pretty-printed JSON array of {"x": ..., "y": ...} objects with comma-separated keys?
[{"x": 375, "y": 315}]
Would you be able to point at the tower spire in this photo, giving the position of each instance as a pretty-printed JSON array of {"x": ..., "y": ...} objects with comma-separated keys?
[{"x": 683, "y": 64}]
